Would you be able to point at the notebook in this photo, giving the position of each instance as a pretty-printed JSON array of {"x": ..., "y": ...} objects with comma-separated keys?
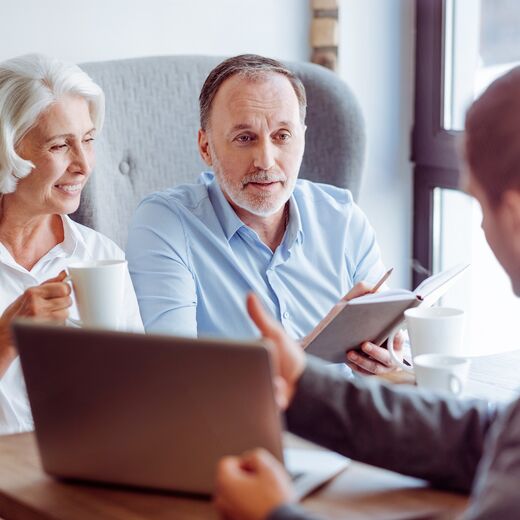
[{"x": 373, "y": 317}]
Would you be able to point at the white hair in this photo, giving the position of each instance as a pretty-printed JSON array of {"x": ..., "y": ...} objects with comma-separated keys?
[{"x": 28, "y": 86}]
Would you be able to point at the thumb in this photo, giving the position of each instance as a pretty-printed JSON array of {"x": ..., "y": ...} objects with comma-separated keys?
[
  {"x": 256, "y": 461},
  {"x": 359, "y": 289},
  {"x": 268, "y": 326},
  {"x": 60, "y": 278}
]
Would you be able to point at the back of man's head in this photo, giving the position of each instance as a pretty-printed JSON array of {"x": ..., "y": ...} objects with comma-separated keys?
[
  {"x": 492, "y": 139},
  {"x": 253, "y": 68}
]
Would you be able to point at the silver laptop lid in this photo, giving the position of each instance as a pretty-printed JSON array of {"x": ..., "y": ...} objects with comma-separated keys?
[{"x": 144, "y": 410}]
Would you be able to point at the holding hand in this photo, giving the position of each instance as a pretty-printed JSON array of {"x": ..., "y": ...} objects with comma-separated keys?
[
  {"x": 372, "y": 359},
  {"x": 375, "y": 360},
  {"x": 250, "y": 487},
  {"x": 50, "y": 301}
]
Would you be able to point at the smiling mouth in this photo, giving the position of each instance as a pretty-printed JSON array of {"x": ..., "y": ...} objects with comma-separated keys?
[{"x": 69, "y": 188}]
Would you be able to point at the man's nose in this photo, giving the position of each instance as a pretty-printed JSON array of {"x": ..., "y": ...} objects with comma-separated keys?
[{"x": 264, "y": 156}]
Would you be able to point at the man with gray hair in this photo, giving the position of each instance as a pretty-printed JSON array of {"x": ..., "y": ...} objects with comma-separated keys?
[{"x": 195, "y": 251}]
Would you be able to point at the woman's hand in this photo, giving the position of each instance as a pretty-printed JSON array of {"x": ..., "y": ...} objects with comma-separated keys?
[{"x": 49, "y": 301}]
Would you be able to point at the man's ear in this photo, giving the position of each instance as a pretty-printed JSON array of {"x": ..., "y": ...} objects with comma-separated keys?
[
  {"x": 204, "y": 149},
  {"x": 510, "y": 209}
]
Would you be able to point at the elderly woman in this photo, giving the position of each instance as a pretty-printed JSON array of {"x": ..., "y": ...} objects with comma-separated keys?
[{"x": 50, "y": 115}]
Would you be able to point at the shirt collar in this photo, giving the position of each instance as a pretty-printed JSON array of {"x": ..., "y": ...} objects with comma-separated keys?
[
  {"x": 294, "y": 227},
  {"x": 231, "y": 223},
  {"x": 225, "y": 213},
  {"x": 72, "y": 239}
]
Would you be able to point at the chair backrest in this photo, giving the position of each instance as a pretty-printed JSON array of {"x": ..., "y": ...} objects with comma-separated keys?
[{"x": 149, "y": 141}]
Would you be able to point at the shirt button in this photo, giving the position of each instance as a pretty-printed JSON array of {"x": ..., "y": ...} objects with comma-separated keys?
[{"x": 286, "y": 315}]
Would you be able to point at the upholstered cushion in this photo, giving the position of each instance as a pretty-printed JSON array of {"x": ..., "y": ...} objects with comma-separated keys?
[{"x": 149, "y": 141}]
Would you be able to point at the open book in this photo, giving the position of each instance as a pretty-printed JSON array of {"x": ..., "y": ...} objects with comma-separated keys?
[{"x": 373, "y": 317}]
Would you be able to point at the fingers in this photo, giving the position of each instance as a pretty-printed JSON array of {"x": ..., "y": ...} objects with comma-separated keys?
[
  {"x": 378, "y": 354},
  {"x": 359, "y": 289},
  {"x": 399, "y": 341},
  {"x": 372, "y": 359},
  {"x": 50, "y": 290},
  {"x": 281, "y": 392},
  {"x": 358, "y": 369},
  {"x": 46, "y": 301},
  {"x": 257, "y": 460},
  {"x": 267, "y": 325}
]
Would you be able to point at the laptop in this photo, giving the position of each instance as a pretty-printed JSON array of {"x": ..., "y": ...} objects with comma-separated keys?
[{"x": 153, "y": 411}]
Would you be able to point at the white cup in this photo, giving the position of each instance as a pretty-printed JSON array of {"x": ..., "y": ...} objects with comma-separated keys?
[
  {"x": 437, "y": 330},
  {"x": 441, "y": 373},
  {"x": 99, "y": 291}
]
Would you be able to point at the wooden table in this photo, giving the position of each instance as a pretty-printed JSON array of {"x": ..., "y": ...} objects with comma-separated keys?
[
  {"x": 360, "y": 492},
  {"x": 26, "y": 493}
]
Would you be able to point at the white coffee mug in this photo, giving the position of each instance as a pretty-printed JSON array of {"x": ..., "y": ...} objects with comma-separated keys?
[
  {"x": 431, "y": 330},
  {"x": 99, "y": 291},
  {"x": 441, "y": 373}
]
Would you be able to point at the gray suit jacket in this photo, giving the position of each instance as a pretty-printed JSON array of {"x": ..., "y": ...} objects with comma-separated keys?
[{"x": 467, "y": 446}]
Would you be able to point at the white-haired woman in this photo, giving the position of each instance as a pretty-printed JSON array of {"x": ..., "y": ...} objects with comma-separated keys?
[{"x": 50, "y": 115}]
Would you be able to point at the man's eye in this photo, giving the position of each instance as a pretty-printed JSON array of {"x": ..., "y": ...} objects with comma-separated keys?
[
  {"x": 89, "y": 140},
  {"x": 243, "y": 138},
  {"x": 283, "y": 136}
]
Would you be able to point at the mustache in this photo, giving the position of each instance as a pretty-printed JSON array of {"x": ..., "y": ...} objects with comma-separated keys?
[{"x": 264, "y": 176}]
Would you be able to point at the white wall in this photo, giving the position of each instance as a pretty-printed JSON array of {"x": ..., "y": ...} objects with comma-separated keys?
[
  {"x": 375, "y": 59},
  {"x": 108, "y": 29}
]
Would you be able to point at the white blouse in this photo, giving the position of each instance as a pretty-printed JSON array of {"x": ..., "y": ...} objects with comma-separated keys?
[{"x": 80, "y": 244}]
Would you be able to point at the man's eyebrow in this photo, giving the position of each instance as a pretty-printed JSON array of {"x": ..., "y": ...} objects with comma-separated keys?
[
  {"x": 65, "y": 136},
  {"x": 245, "y": 126},
  {"x": 241, "y": 126}
]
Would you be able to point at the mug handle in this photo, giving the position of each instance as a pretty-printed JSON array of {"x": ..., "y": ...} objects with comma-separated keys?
[
  {"x": 455, "y": 384},
  {"x": 390, "y": 347},
  {"x": 77, "y": 323}
]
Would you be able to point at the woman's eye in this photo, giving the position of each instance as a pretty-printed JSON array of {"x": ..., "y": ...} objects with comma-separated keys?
[{"x": 59, "y": 147}]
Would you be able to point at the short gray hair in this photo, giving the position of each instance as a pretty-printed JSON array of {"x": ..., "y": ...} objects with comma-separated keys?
[
  {"x": 250, "y": 66},
  {"x": 28, "y": 86}
]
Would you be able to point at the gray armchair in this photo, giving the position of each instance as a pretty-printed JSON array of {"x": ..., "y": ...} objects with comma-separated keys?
[{"x": 149, "y": 141}]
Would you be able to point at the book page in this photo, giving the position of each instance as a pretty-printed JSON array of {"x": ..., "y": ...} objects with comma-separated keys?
[
  {"x": 431, "y": 289},
  {"x": 383, "y": 296}
]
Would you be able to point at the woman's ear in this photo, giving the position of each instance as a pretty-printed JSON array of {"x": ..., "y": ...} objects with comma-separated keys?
[{"x": 204, "y": 148}]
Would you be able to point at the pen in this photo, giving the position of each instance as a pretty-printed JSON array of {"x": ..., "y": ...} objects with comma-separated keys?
[{"x": 384, "y": 278}]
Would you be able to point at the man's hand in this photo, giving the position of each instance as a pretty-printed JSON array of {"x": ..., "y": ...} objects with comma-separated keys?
[
  {"x": 375, "y": 360},
  {"x": 288, "y": 357},
  {"x": 250, "y": 487},
  {"x": 360, "y": 289},
  {"x": 372, "y": 359},
  {"x": 49, "y": 301}
]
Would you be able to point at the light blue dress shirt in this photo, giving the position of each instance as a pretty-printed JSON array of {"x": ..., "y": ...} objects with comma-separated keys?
[{"x": 193, "y": 261}]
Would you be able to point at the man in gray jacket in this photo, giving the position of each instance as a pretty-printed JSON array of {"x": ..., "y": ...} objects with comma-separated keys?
[{"x": 476, "y": 446}]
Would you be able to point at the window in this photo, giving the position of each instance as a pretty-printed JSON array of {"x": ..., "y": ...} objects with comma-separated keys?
[{"x": 462, "y": 46}]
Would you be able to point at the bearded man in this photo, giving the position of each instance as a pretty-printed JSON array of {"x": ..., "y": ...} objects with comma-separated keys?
[{"x": 195, "y": 251}]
